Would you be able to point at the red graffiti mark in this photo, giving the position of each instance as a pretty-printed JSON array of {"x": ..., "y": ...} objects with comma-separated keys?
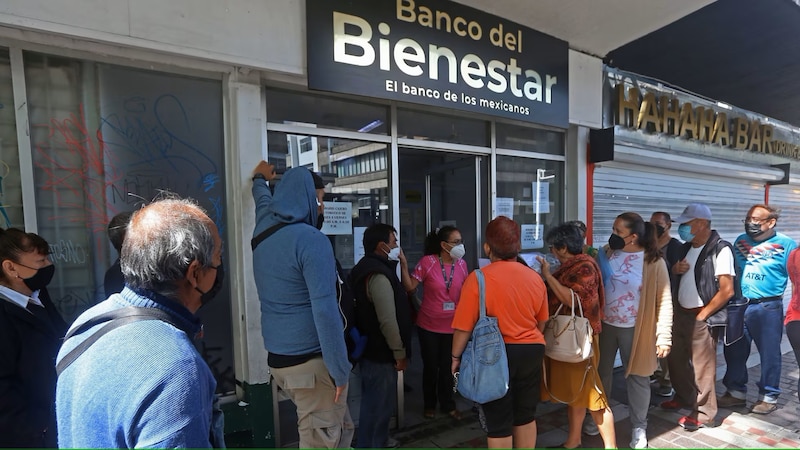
[{"x": 77, "y": 169}]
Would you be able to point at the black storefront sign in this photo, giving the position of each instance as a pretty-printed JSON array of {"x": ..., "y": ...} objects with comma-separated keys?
[{"x": 438, "y": 53}]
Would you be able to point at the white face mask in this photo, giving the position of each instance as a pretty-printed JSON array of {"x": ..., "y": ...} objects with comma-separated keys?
[
  {"x": 394, "y": 254},
  {"x": 458, "y": 251}
]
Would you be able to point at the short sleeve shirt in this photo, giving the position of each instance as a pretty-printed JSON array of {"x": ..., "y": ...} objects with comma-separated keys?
[
  {"x": 763, "y": 264},
  {"x": 624, "y": 288},
  {"x": 688, "y": 297},
  {"x": 439, "y": 302},
  {"x": 515, "y": 294}
]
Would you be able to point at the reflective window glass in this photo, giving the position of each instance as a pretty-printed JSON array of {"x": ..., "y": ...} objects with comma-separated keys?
[
  {"x": 10, "y": 184},
  {"x": 530, "y": 139},
  {"x": 357, "y": 185},
  {"x": 518, "y": 182},
  {"x": 290, "y": 107},
  {"x": 425, "y": 126}
]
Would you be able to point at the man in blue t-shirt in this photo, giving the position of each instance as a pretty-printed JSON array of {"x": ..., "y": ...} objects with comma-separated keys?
[{"x": 761, "y": 254}]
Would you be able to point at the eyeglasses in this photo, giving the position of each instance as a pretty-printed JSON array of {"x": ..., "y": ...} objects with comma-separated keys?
[
  {"x": 756, "y": 220},
  {"x": 458, "y": 242}
]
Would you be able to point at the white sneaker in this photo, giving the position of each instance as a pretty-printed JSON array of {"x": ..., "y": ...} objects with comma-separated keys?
[
  {"x": 589, "y": 427},
  {"x": 639, "y": 438}
]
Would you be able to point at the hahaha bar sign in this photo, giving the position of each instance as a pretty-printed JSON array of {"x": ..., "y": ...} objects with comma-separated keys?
[{"x": 437, "y": 53}]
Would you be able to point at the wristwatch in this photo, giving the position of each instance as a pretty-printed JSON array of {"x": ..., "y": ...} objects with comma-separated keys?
[{"x": 259, "y": 176}]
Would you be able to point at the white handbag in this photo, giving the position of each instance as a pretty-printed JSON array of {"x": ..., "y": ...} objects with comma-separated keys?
[{"x": 568, "y": 338}]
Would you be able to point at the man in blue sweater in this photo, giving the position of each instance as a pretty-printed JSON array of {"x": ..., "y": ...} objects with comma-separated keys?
[
  {"x": 295, "y": 273},
  {"x": 144, "y": 384}
]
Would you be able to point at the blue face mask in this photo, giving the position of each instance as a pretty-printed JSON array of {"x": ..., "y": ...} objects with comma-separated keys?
[{"x": 685, "y": 232}]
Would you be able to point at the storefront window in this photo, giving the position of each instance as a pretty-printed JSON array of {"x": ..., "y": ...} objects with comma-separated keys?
[
  {"x": 357, "y": 185},
  {"x": 414, "y": 124},
  {"x": 106, "y": 139},
  {"x": 518, "y": 181},
  {"x": 326, "y": 112},
  {"x": 10, "y": 190},
  {"x": 529, "y": 139}
]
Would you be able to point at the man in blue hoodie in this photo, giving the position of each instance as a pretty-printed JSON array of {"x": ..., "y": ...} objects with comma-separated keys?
[{"x": 295, "y": 273}]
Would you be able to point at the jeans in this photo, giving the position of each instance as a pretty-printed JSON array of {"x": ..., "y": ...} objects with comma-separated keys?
[
  {"x": 437, "y": 381},
  {"x": 763, "y": 324},
  {"x": 378, "y": 402}
]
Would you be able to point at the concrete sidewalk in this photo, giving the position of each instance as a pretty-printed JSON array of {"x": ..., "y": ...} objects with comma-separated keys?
[{"x": 738, "y": 428}]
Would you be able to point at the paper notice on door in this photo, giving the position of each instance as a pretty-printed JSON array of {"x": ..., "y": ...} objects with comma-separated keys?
[
  {"x": 504, "y": 206},
  {"x": 338, "y": 218},
  {"x": 532, "y": 239},
  {"x": 544, "y": 197}
]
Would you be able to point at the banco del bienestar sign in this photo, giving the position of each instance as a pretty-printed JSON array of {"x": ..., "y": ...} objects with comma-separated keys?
[{"x": 438, "y": 53}]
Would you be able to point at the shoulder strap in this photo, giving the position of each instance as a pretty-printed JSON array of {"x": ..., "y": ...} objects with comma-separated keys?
[
  {"x": 265, "y": 234},
  {"x": 115, "y": 319},
  {"x": 482, "y": 289}
]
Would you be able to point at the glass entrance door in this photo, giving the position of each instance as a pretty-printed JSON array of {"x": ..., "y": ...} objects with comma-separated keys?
[{"x": 437, "y": 189}]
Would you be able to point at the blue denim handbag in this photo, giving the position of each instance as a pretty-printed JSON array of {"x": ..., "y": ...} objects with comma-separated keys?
[{"x": 484, "y": 365}]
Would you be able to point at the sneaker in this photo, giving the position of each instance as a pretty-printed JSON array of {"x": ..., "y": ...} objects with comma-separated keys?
[
  {"x": 729, "y": 401},
  {"x": 665, "y": 391},
  {"x": 589, "y": 427},
  {"x": 762, "y": 407},
  {"x": 639, "y": 438},
  {"x": 692, "y": 424},
  {"x": 672, "y": 405}
]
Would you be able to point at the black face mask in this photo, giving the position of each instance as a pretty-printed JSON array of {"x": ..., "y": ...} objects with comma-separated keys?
[
  {"x": 615, "y": 242},
  {"x": 320, "y": 220},
  {"x": 753, "y": 229},
  {"x": 41, "y": 278},
  {"x": 209, "y": 295},
  {"x": 660, "y": 230}
]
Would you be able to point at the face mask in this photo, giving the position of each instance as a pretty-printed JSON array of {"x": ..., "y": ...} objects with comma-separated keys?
[
  {"x": 660, "y": 230},
  {"x": 615, "y": 242},
  {"x": 458, "y": 251},
  {"x": 320, "y": 220},
  {"x": 393, "y": 254},
  {"x": 685, "y": 232},
  {"x": 209, "y": 295},
  {"x": 41, "y": 278},
  {"x": 753, "y": 229}
]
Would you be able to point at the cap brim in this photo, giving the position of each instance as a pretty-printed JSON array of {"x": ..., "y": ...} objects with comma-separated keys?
[{"x": 683, "y": 219}]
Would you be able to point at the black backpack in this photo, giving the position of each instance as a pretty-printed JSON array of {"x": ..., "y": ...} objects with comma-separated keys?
[{"x": 355, "y": 341}]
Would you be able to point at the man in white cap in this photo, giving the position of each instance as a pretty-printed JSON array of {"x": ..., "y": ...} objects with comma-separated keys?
[{"x": 703, "y": 284}]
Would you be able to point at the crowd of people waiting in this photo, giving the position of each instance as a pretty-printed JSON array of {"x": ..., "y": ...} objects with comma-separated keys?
[{"x": 661, "y": 304}]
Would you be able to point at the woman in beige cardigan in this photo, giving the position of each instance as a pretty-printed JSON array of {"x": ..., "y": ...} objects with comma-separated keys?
[{"x": 637, "y": 317}]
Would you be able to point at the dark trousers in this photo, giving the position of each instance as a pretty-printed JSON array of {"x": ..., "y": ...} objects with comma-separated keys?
[
  {"x": 437, "y": 381},
  {"x": 793, "y": 333}
]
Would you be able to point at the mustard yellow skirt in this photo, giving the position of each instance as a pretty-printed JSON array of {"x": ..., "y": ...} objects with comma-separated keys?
[{"x": 576, "y": 384}]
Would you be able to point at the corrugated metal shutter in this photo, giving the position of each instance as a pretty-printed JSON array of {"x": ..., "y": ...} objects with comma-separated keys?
[
  {"x": 620, "y": 187},
  {"x": 787, "y": 198}
]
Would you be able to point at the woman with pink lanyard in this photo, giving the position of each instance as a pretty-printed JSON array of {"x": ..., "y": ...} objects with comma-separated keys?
[
  {"x": 442, "y": 271},
  {"x": 792, "y": 321}
]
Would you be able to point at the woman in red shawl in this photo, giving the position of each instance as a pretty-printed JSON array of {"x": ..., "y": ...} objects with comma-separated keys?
[{"x": 577, "y": 384}]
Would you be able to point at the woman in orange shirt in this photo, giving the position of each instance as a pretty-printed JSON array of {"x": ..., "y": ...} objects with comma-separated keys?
[{"x": 516, "y": 295}]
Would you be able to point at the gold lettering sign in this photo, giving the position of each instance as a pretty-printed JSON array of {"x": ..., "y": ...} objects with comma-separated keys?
[{"x": 667, "y": 115}]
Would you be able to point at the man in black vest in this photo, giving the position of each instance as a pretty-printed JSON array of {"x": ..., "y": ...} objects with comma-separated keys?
[
  {"x": 703, "y": 282},
  {"x": 384, "y": 316}
]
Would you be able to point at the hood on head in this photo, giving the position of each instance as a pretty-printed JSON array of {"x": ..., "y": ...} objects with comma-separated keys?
[{"x": 295, "y": 198}]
